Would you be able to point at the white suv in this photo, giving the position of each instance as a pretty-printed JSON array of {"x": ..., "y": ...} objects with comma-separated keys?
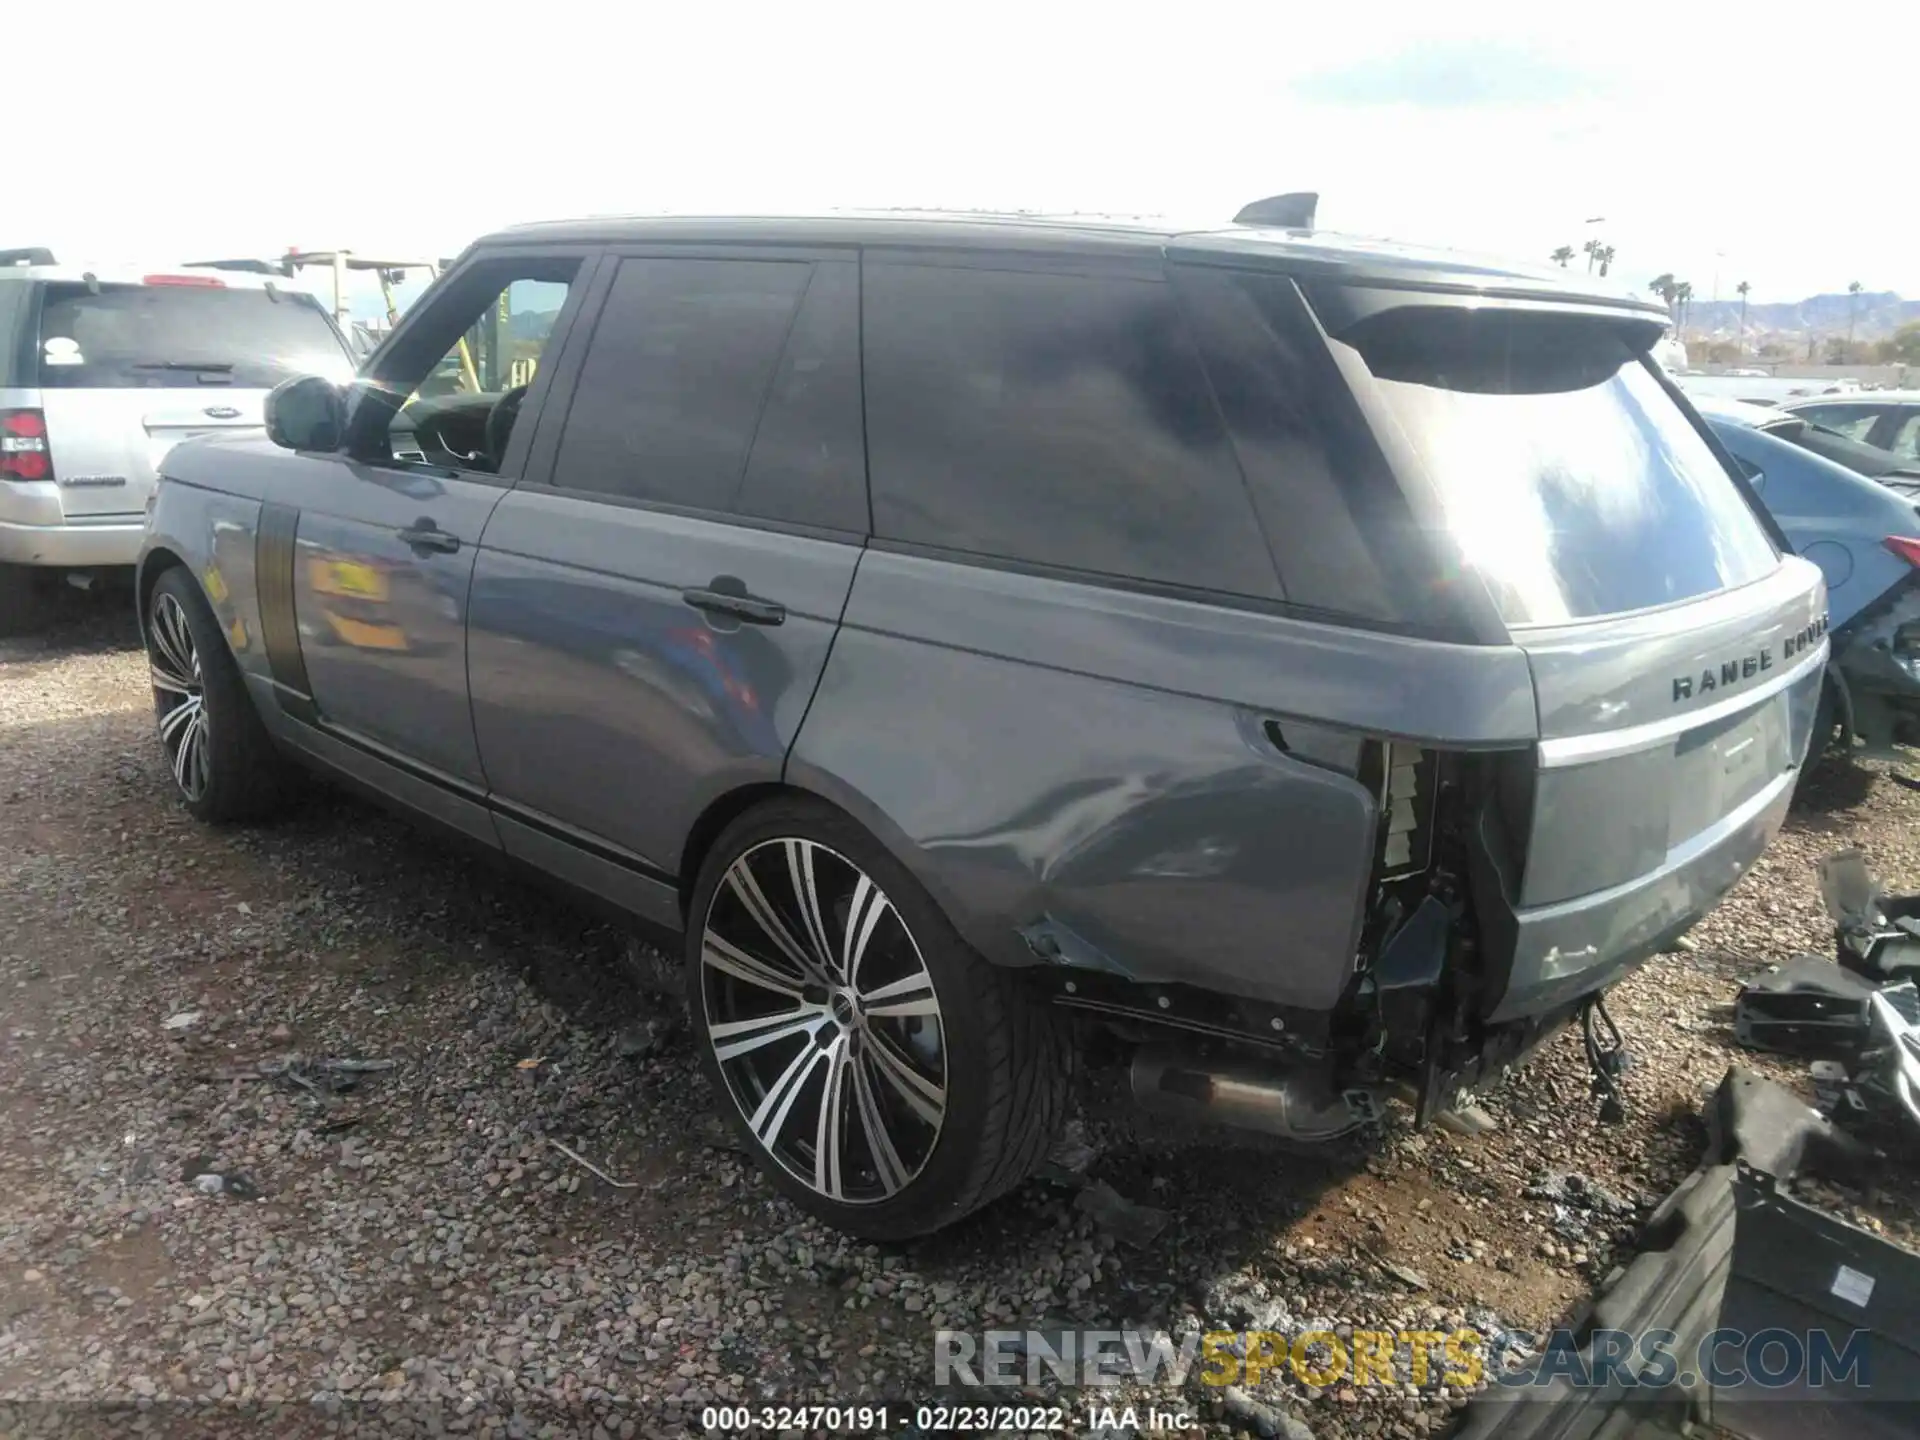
[{"x": 102, "y": 372}]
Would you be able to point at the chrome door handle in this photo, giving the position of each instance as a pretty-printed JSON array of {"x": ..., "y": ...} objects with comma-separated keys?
[
  {"x": 727, "y": 596},
  {"x": 428, "y": 537}
]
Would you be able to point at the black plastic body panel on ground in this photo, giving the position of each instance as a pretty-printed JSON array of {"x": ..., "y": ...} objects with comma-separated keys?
[{"x": 1729, "y": 1250}]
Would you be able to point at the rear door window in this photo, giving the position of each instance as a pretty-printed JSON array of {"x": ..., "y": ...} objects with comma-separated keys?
[
  {"x": 172, "y": 336},
  {"x": 724, "y": 385},
  {"x": 1856, "y": 422},
  {"x": 1568, "y": 475},
  {"x": 1059, "y": 420}
]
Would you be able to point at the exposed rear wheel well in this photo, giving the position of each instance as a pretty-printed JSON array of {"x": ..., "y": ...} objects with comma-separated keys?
[
  {"x": 158, "y": 562},
  {"x": 717, "y": 816}
]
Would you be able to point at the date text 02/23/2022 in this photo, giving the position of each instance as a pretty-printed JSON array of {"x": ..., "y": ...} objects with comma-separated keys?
[{"x": 930, "y": 1419}]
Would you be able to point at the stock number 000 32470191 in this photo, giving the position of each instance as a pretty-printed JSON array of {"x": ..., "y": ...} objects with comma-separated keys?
[{"x": 877, "y": 1419}]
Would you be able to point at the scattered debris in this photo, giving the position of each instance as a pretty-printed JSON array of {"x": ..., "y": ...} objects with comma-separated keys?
[
  {"x": 1264, "y": 1419},
  {"x": 1407, "y": 1276},
  {"x": 646, "y": 1038},
  {"x": 1071, "y": 1157},
  {"x": 1132, "y": 1224},
  {"x": 532, "y": 1062},
  {"x": 581, "y": 1160},
  {"x": 181, "y": 1021},
  {"x": 1466, "y": 1119},
  {"x": 1242, "y": 1302},
  {"x": 206, "y": 1177},
  {"x": 1876, "y": 934}
]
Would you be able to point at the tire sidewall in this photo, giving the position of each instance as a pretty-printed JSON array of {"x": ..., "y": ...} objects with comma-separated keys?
[
  {"x": 932, "y": 1197},
  {"x": 219, "y": 691}
]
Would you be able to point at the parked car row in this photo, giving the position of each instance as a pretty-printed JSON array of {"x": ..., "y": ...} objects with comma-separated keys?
[
  {"x": 1865, "y": 537},
  {"x": 1323, "y": 666},
  {"x": 101, "y": 373}
]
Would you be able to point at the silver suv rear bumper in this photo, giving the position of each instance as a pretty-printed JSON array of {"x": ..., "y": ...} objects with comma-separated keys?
[{"x": 34, "y": 531}]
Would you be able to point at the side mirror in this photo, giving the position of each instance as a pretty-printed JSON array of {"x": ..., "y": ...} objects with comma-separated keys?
[{"x": 307, "y": 413}]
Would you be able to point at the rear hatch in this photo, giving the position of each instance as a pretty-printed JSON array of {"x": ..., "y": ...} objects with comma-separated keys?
[
  {"x": 1676, "y": 654},
  {"x": 128, "y": 371}
]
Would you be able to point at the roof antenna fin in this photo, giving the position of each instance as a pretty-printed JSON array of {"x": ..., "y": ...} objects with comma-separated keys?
[{"x": 1288, "y": 212}]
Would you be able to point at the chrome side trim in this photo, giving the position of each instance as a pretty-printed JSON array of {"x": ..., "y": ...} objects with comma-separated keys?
[{"x": 1606, "y": 744}]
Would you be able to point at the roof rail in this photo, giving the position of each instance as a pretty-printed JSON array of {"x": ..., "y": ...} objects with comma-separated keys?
[
  {"x": 1293, "y": 211},
  {"x": 29, "y": 255}
]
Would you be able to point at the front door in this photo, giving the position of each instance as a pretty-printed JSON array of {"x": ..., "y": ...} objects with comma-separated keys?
[
  {"x": 384, "y": 549},
  {"x": 649, "y": 621}
]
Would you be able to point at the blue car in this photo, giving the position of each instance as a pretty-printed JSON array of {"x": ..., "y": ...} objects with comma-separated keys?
[{"x": 1865, "y": 537}]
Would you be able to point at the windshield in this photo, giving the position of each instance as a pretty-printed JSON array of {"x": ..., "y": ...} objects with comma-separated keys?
[
  {"x": 180, "y": 336},
  {"x": 1856, "y": 455},
  {"x": 1571, "y": 480}
]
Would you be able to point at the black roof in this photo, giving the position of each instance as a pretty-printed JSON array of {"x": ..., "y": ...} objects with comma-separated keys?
[{"x": 1328, "y": 253}]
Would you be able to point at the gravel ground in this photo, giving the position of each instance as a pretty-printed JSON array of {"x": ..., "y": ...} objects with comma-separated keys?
[{"x": 194, "y": 1207}]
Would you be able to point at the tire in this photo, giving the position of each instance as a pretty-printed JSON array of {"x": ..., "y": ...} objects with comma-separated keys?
[
  {"x": 24, "y": 601},
  {"x": 223, "y": 762},
  {"x": 987, "y": 1066},
  {"x": 1826, "y": 719}
]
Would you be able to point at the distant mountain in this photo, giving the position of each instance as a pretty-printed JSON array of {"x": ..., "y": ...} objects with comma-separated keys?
[
  {"x": 531, "y": 324},
  {"x": 1876, "y": 315}
]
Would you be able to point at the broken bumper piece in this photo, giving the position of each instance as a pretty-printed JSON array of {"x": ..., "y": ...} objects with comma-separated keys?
[{"x": 1746, "y": 1311}]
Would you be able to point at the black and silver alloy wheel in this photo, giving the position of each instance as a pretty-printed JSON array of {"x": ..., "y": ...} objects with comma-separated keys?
[
  {"x": 824, "y": 1020},
  {"x": 179, "y": 695}
]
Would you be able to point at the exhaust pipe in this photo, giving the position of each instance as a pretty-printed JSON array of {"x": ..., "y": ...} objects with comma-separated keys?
[{"x": 1297, "y": 1105}]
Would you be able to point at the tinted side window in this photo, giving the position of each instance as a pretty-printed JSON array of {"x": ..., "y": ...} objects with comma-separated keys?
[
  {"x": 1856, "y": 422},
  {"x": 1052, "y": 419},
  {"x": 728, "y": 385}
]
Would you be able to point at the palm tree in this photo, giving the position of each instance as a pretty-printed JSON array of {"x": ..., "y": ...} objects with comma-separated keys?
[
  {"x": 1853, "y": 301},
  {"x": 1592, "y": 247},
  {"x": 1665, "y": 286},
  {"x": 1562, "y": 256},
  {"x": 1683, "y": 293},
  {"x": 1606, "y": 258},
  {"x": 1741, "y": 289}
]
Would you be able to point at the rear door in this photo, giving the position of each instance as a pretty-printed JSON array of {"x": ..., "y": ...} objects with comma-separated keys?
[
  {"x": 650, "y": 620},
  {"x": 126, "y": 372}
]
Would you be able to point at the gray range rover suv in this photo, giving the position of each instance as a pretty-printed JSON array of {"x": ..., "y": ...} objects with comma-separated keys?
[{"x": 1323, "y": 667}]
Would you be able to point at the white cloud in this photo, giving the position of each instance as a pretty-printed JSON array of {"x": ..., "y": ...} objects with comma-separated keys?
[{"x": 247, "y": 128}]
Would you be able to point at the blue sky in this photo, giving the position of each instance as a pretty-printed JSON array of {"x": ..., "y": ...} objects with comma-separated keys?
[{"x": 1710, "y": 138}]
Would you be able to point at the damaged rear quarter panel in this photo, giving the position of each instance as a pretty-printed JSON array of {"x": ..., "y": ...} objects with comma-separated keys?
[{"x": 1045, "y": 752}]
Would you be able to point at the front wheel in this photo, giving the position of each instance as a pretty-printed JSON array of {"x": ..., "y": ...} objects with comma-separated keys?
[
  {"x": 223, "y": 762},
  {"x": 885, "y": 1077}
]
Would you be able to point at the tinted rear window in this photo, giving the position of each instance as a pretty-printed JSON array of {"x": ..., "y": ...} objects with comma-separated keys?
[
  {"x": 173, "y": 336},
  {"x": 1570, "y": 478}
]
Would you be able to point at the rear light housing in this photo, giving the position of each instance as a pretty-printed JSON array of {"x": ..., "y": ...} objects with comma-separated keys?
[
  {"x": 1906, "y": 547},
  {"x": 213, "y": 281},
  {"x": 24, "y": 452}
]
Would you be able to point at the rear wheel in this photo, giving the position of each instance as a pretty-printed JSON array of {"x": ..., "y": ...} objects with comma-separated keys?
[
  {"x": 223, "y": 762},
  {"x": 886, "y": 1077}
]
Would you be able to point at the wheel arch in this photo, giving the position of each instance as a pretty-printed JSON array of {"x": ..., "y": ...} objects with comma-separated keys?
[
  {"x": 155, "y": 563},
  {"x": 818, "y": 786}
]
